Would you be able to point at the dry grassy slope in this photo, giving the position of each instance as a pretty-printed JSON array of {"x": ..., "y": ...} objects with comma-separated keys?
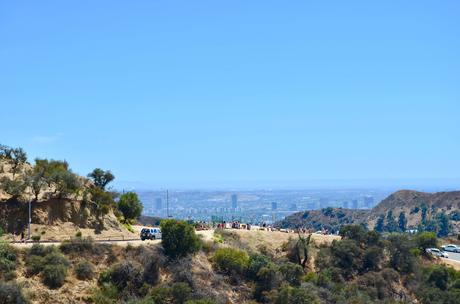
[
  {"x": 199, "y": 267},
  {"x": 56, "y": 218},
  {"x": 407, "y": 200}
]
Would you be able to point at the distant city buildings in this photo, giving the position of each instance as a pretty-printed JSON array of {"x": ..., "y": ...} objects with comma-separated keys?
[
  {"x": 311, "y": 206},
  {"x": 274, "y": 206},
  {"x": 234, "y": 201},
  {"x": 323, "y": 202},
  {"x": 158, "y": 204},
  {"x": 345, "y": 205},
  {"x": 293, "y": 207},
  {"x": 368, "y": 201},
  {"x": 354, "y": 204}
]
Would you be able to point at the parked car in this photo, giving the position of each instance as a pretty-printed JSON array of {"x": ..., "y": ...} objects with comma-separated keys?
[
  {"x": 150, "y": 234},
  {"x": 451, "y": 248},
  {"x": 437, "y": 252}
]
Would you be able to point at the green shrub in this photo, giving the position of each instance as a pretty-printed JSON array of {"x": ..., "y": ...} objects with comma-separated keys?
[
  {"x": 126, "y": 276},
  {"x": 54, "y": 275},
  {"x": 179, "y": 238},
  {"x": 106, "y": 294},
  {"x": 11, "y": 293},
  {"x": 231, "y": 260},
  {"x": 180, "y": 292},
  {"x": 84, "y": 270},
  {"x": 34, "y": 265},
  {"x": 161, "y": 295},
  {"x": 77, "y": 246},
  {"x": 292, "y": 273},
  {"x": 40, "y": 250},
  {"x": 56, "y": 258},
  {"x": 426, "y": 240},
  {"x": 78, "y": 234},
  {"x": 439, "y": 277},
  {"x": 256, "y": 262},
  {"x": 8, "y": 257},
  {"x": 36, "y": 237}
]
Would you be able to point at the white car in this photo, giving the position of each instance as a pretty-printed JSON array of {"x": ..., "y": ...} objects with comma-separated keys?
[
  {"x": 437, "y": 252},
  {"x": 451, "y": 248},
  {"x": 151, "y": 234}
]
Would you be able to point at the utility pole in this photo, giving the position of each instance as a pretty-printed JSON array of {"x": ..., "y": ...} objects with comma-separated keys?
[
  {"x": 30, "y": 217},
  {"x": 167, "y": 203}
]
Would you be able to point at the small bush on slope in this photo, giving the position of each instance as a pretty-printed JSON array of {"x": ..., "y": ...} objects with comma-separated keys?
[
  {"x": 231, "y": 261},
  {"x": 11, "y": 293},
  {"x": 84, "y": 270},
  {"x": 179, "y": 238}
]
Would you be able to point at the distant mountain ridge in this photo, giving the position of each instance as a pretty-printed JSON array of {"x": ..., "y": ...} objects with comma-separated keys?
[{"x": 410, "y": 202}]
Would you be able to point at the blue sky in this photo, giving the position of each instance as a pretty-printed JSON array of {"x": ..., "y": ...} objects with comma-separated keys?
[{"x": 199, "y": 93}]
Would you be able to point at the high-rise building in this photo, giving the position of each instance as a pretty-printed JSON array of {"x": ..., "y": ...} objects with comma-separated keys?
[
  {"x": 234, "y": 201},
  {"x": 368, "y": 201},
  {"x": 311, "y": 206},
  {"x": 274, "y": 205},
  {"x": 345, "y": 204},
  {"x": 293, "y": 207},
  {"x": 323, "y": 202},
  {"x": 158, "y": 204},
  {"x": 354, "y": 204}
]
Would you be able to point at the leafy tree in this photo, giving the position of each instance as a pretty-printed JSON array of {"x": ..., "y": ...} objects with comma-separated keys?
[
  {"x": 66, "y": 183},
  {"x": 18, "y": 158},
  {"x": 401, "y": 258},
  {"x": 102, "y": 200},
  {"x": 13, "y": 187},
  {"x": 424, "y": 240},
  {"x": 372, "y": 258},
  {"x": 345, "y": 255},
  {"x": 101, "y": 178},
  {"x": 402, "y": 221},
  {"x": 130, "y": 206},
  {"x": 424, "y": 209},
  {"x": 178, "y": 238},
  {"x": 455, "y": 215},
  {"x": 391, "y": 226},
  {"x": 15, "y": 156},
  {"x": 354, "y": 232},
  {"x": 380, "y": 225},
  {"x": 443, "y": 223}
]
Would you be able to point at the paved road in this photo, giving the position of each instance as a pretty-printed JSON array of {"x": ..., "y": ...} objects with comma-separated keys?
[
  {"x": 454, "y": 256},
  {"x": 206, "y": 234}
]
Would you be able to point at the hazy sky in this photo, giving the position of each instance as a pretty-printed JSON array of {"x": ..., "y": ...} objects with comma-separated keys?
[{"x": 202, "y": 92}]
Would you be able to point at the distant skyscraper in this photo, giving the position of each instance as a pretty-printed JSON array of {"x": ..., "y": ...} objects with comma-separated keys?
[
  {"x": 345, "y": 205},
  {"x": 293, "y": 207},
  {"x": 368, "y": 201},
  {"x": 323, "y": 202},
  {"x": 234, "y": 201},
  {"x": 158, "y": 204},
  {"x": 274, "y": 205},
  {"x": 311, "y": 206},
  {"x": 354, "y": 204}
]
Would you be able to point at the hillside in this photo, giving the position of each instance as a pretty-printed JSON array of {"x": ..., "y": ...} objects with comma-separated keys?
[
  {"x": 419, "y": 208},
  {"x": 63, "y": 202},
  {"x": 412, "y": 203},
  {"x": 330, "y": 219}
]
